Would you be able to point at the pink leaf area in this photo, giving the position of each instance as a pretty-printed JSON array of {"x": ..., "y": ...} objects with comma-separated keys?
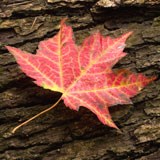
[{"x": 83, "y": 74}]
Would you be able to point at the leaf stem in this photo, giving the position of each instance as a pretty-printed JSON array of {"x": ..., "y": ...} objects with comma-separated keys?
[{"x": 37, "y": 115}]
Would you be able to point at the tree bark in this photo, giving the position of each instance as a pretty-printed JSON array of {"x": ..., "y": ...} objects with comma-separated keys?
[{"x": 63, "y": 134}]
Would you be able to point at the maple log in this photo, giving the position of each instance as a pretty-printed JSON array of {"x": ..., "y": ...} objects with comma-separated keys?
[{"x": 62, "y": 133}]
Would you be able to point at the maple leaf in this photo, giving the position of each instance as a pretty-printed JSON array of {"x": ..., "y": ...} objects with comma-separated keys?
[{"x": 83, "y": 74}]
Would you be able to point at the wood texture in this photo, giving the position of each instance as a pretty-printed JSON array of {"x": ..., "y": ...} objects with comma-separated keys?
[{"x": 63, "y": 134}]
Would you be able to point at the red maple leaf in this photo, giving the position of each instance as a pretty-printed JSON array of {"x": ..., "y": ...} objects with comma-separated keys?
[{"x": 83, "y": 74}]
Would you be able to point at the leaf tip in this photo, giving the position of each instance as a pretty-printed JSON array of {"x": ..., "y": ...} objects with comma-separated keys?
[
  {"x": 110, "y": 123},
  {"x": 153, "y": 78},
  {"x": 14, "y": 51},
  {"x": 126, "y": 35},
  {"x": 63, "y": 21},
  {"x": 8, "y": 47},
  {"x": 150, "y": 79}
]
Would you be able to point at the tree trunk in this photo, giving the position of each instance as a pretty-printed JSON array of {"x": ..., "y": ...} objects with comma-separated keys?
[{"x": 63, "y": 134}]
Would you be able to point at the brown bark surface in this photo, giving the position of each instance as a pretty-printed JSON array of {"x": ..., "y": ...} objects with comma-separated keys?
[{"x": 63, "y": 134}]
